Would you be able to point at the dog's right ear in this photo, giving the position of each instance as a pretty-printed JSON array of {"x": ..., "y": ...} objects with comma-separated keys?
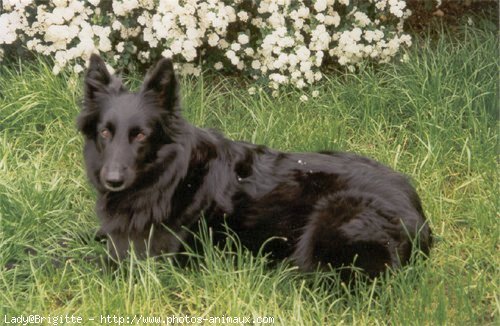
[{"x": 97, "y": 78}]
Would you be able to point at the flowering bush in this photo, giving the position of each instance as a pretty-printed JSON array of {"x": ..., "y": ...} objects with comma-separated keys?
[{"x": 283, "y": 41}]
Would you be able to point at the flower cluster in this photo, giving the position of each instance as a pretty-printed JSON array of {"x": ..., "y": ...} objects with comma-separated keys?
[{"x": 281, "y": 41}]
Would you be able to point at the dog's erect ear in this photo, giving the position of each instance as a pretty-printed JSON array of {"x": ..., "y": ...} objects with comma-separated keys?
[
  {"x": 161, "y": 81},
  {"x": 99, "y": 79}
]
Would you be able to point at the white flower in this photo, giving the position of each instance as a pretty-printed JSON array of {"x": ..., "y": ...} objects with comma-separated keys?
[
  {"x": 243, "y": 39},
  {"x": 213, "y": 39},
  {"x": 405, "y": 38},
  {"x": 315, "y": 93},
  {"x": 116, "y": 25},
  {"x": 320, "y": 18},
  {"x": 218, "y": 65},
  {"x": 380, "y": 5},
  {"x": 396, "y": 7},
  {"x": 120, "y": 47},
  {"x": 303, "y": 53},
  {"x": 192, "y": 33},
  {"x": 243, "y": 16},
  {"x": 303, "y": 12},
  {"x": 56, "y": 69},
  {"x": 125, "y": 7},
  {"x": 320, "y": 5},
  {"x": 362, "y": 19},
  {"x": 176, "y": 46},
  {"x": 60, "y": 33},
  {"x": 235, "y": 61},
  {"x": 143, "y": 56},
  {"x": 235, "y": 46},
  {"x": 304, "y": 98},
  {"x": 278, "y": 78},
  {"x": 78, "y": 68},
  {"x": 189, "y": 50},
  {"x": 249, "y": 52},
  {"x": 60, "y": 3},
  {"x": 167, "y": 54},
  {"x": 142, "y": 20},
  {"x": 189, "y": 69},
  {"x": 230, "y": 54},
  {"x": 223, "y": 44},
  {"x": 320, "y": 38},
  {"x": 104, "y": 44}
]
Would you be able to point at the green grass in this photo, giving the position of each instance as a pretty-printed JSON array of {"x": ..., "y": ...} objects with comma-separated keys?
[{"x": 433, "y": 118}]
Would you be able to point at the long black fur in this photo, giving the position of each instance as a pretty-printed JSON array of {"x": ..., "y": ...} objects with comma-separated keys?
[{"x": 157, "y": 175}]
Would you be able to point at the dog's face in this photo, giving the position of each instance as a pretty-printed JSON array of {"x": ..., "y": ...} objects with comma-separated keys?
[{"x": 124, "y": 131}]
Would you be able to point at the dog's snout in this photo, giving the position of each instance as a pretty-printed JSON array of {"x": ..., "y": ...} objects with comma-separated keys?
[{"x": 114, "y": 180}]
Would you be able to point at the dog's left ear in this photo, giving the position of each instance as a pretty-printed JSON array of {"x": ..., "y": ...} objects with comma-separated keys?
[{"x": 161, "y": 81}]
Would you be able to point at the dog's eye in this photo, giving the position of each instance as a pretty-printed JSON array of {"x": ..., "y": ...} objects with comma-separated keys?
[
  {"x": 140, "y": 136},
  {"x": 105, "y": 133}
]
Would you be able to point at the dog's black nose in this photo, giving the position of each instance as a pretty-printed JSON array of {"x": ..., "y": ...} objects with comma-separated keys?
[{"x": 114, "y": 181}]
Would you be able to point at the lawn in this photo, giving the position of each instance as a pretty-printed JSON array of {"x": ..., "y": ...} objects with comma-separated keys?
[{"x": 434, "y": 117}]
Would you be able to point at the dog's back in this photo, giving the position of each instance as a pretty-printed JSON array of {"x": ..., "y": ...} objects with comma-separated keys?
[{"x": 323, "y": 209}]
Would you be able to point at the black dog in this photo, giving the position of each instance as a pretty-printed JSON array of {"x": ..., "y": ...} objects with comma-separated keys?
[{"x": 157, "y": 175}]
